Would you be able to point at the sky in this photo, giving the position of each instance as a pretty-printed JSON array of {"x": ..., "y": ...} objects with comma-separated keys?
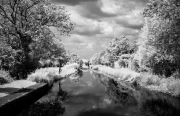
[{"x": 98, "y": 21}]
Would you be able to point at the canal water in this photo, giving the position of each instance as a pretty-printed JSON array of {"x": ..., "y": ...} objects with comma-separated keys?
[
  {"x": 91, "y": 94},
  {"x": 90, "y": 98}
]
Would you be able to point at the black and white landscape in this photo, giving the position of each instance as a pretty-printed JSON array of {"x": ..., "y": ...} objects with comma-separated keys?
[{"x": 90, "y": 57}]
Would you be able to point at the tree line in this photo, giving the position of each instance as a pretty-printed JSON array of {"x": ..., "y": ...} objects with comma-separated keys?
[{"x": 157, "y": 49}]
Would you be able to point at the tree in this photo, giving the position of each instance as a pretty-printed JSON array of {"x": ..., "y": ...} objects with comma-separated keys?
[
  {"x": 120, "y": 45},
  {"x": 74, "y": 58},
  {"x": 25, "y": 27},
  {"x": 161, "y": 36},
  {"x": 95, "y": 59}
]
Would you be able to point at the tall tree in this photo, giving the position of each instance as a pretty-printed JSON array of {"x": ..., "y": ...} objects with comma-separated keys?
[
  {"x": 25, "y": 26},
  {"x": 161, "y": 35}
]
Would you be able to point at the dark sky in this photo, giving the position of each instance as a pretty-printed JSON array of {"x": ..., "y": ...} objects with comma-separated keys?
[{"x": 98, "y": 21}]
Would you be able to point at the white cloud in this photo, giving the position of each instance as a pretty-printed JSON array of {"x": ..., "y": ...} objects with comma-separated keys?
[
  {"x": 104, "y": 46},
  {"x": 106, "y": 27},
  {"x": 109, "y": 6},
  {"x": 114, "y": 7},
  {"x": 89, "y": 46}
]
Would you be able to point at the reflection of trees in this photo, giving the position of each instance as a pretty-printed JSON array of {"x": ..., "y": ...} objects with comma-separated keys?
[
  {"x": 80, "y": 73},
  {"x": 120, "y": 94},
  {"x": 97, "y": 112},
  {"x": 158, "y": 104},
  {"x": 117, "y": 92},
  {"x": 150, "y": 103},
  {"x": 76, "y": 76},
  {"x": 159, "y": 107},
  {"x": 49, "y": 105}
]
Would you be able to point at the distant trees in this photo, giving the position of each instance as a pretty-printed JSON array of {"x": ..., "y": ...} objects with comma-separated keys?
[
  {"x": 159, "y": 41},
  {"x": 117, "y": 47},
  {"x": 95, "y": 59},
  {"x": 25, "y": 33},
  {"x": 73, "y": 58}
]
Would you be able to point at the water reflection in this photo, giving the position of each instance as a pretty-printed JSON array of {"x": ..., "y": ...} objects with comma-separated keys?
[
  {"x": 89, "y": 97},
  {"x": 120, "y": 94},
  {"x": 158, "y": 104},
  {"x": 49, "y": 105},
  {"x": 85, "y": 94},
  {"x": 76, "y": 76},
  {"x": 149, "y": 103}
]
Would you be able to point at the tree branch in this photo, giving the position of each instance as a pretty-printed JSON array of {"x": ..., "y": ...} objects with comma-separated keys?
[
  {"x": 12, "y": 6},
  {"x": 5, "y": 14}
]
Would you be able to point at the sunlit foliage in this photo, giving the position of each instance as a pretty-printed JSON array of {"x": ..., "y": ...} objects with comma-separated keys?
[
  {"x": 25, "y": 32},
  {"x": 159, "y": 46},
  {"x": 117, "y": 47}
]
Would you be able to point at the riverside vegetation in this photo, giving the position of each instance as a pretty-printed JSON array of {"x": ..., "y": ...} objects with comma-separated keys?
[{"x": 154, "y": 58}]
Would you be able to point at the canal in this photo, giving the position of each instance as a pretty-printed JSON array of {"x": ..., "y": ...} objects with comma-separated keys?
[{"x": 91, "y": 94}]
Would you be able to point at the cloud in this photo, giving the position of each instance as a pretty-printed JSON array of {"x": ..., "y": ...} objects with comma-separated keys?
[
  {"x": 71, "y": 2},
  {"x": 92, "y": 27},
  {"x": 130, "y": 21},
  {"x": 144, "y": 2},
  {"x": 77, "y": 40},
  {"x": 89, "y": 46},
  {"x": 115, "y": 7},
  {"x": 125, "y": 23},
  {"x": 74, "y": 39},
  {"x": 87, "y": 30},
  {"x": 93, "y": 10}
]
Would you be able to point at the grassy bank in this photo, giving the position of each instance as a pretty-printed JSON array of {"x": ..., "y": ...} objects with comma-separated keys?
[
  {"x": 152, "y": 82},
  {"x": 51, "y": 74},
  {"x": 169, "y": 85}
]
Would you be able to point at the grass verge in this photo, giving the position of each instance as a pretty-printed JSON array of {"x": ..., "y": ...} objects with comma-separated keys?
[
  {"x": 152, "y": 82},
  {"x": 51, "y": 74}
]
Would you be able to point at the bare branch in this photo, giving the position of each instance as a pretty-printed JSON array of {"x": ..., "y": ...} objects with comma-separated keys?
[
  {"x": 12, "y": 4},
  {"x": 5, "y": 14}
]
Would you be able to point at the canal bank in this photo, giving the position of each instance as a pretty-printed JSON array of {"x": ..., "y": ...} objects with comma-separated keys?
[{"x": 91, "y": 93}]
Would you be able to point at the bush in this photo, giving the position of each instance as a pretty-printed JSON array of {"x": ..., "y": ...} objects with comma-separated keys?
[
  {"x": 173, "y": 86},
  {"x": 51, "y": 74},
  {"x": 156, "y": 82},
  {"x": 5, "y": 77},
  {"x": 150, "y": 79},
  {"x": 46, "y": 75}
]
